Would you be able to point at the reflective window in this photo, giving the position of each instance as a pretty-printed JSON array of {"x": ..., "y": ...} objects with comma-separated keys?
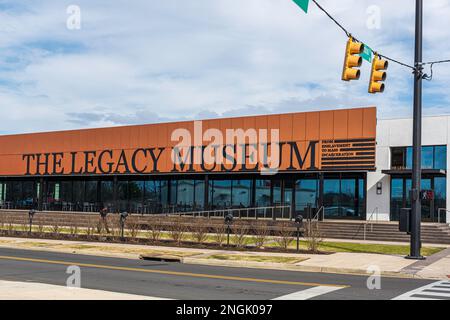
[
  {"x": 306, "y": 192},
  {"x": 185, "y": 195},
  {"x": 433, "y": 157},
  {"x": 331, "y": 194},
  {"x": 220, "y": 193},
  {"x": 262, "y": 193},
  {"x": 136, "y": 193},
  {"x": 427, "y": 157},
  {"x": 276, "y": 185},
  {"x": 78, "y": 194},
  {"x": 28, "y": 194},
  {"x": 199, "y": 195},
  {"x": 344, "y": 198},
  {"x": 440, "y": 157},
  {"x": 122, "y": 195},
  {"x": 107, "y": 193},
  {"x": 2, "y": 192},
  {"x": 396, "y": 198},
  {"x": 440, "y": 193},
  {"x": 91, "y": 192},
  {"x": 66, "y": 191},
  {"x": 242, "y": 193}
]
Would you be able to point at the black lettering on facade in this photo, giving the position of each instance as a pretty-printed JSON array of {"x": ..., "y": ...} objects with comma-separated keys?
[
  {"x": 57, "y": 163},
  {"x": 301, "y": 161},
  {"x": 134, "y": 160},
  {"x": 89, "y": 157},
  {"x": 109, "y": 164},
  {"x": 28, "y": 158},
  {"x": 122, "y": 162},
  {"x": 155, "y": 158},
  {"x": 43, "y": 163},
  {"x": 74, "y": 161}
]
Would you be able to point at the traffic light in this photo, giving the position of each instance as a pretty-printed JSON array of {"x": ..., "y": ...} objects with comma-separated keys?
[
  {"x": 353, "y": 60},
  {"x": 378, "y": 75}
]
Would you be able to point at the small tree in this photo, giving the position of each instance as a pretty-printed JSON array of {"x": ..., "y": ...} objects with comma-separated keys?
[
  {"x": 262, "y": 232},
  {"x": 284, "y": 235},
  {"x": 133, "y": 226},
  {"x": 155, "y": 228},
  {"x": 200, "y": 230},
  {"x": 240, "y": 230},
  {"x": 220, "y": 233},
  {"x": 177, "y": 230},
  {"x": 313, "y": 237}
]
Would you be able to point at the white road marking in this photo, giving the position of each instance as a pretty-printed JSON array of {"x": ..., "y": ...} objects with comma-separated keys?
[
  {"x": 439, "y": 291},
  {"x": 309, "y": 293},
  {"x": 13, "y": 290}
]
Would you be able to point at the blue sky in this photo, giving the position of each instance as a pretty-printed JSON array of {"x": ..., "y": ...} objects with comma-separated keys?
[{"x": 144, "y": 61}]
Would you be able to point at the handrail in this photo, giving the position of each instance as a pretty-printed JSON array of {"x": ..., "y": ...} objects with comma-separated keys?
[
  {"x": 269, "y": 212},
  {"x": 316, "y": 217},
  {"x": 370, "y": 221},
  {"x": 440, "y": 211}
]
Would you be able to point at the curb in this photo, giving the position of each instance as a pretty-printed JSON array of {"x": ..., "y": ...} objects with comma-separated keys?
[{"x": 288, "y": 267}]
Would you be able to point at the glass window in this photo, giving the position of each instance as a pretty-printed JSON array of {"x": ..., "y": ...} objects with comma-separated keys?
[
  {"x": 221, "y": 194},
  {"x": 348, "y": 201},
  {"x": 440, "y": 194},
  {"x": 440, "y": 157},
  {"x": 331, "y": 193},
  {"x": 185, "y": 195},
  {"x": 91, "y": 191},
  {"x": 28, "y": 194},
  {"x": 242, "y": 196},
  {"x": 107, "y": 193},
  {"x": 427, "y": 157},
  {"x": 276, "y": 185},
  {"x": 398, "y": 158},
  {"x": 306, "y": 192},
  {"x": 164, "y": 190},
  {"x": 78, "y": 193},
  {"x": 199, "y": 195},
  {"x": 136, "y": 192},
  {"x": 409, "y": 158},
  {"x": 396, "y": 198},
  {"x": 2, "y": 197},
  {"x": 66, "y": 191},
  {"x": 262, "y": 193},
  {"x": 122, "y": 195}
]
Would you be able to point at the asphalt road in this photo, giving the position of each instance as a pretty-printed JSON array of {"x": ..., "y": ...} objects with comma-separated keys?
[{"x": 193, "y": 282}]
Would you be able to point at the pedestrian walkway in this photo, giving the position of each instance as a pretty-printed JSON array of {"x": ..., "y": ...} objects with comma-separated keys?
[{"x": 436, "y": 291}]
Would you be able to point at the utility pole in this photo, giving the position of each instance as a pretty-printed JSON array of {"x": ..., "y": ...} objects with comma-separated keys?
[{"x": 416, "y": 201}]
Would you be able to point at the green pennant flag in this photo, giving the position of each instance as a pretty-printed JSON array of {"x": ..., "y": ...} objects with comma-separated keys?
[{"x": 303, "y": 4}]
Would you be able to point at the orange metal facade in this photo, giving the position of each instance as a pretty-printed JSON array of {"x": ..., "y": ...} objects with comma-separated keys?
[{"x": 342, "y": 140}]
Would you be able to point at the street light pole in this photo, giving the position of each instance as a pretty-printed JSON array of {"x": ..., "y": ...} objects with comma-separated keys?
[{"x": 416, "y": 201}]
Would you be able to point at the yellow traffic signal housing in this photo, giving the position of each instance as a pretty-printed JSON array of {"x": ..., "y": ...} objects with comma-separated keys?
[
  {"x": 353, "y": 60},
  {"x": 378, "y": 75}
]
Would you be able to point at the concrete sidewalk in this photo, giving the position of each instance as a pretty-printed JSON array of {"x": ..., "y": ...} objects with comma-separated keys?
[
  {"x": 435, "y": 267},
  {"x": 37, "y": 291}
]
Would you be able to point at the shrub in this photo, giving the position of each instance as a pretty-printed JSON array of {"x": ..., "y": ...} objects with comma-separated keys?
[
  {"x": 220, "y": 234},
  {"x": 155, "y": 228},
  {"x": 313, "y": 237},
  {"x": 200, "y": 230},
  {"x": 133, "y": 226},
  {"x": 262, "y": 232},
  {"x": 55, "y": 226},
  {"x": 177, "y": 230},
  {"x": 240, "y": 230},
  {"x": 284, "y": 235}
]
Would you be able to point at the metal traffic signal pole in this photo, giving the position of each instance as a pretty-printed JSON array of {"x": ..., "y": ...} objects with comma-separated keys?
[{"x": 416, "y": 212}]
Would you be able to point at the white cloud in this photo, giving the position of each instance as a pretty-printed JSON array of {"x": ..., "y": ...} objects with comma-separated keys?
[{"x": 148, "y": 61}]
